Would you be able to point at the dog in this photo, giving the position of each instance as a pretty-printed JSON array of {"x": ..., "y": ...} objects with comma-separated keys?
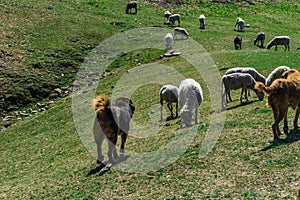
[
  {"x": 111, "y": 120},
  {"x": 281, "y": 94}
]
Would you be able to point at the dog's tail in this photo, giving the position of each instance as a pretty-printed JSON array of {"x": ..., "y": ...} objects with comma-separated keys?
[
  {"x": 262, "y": 88},
  {"x": 100, "y": 102}
]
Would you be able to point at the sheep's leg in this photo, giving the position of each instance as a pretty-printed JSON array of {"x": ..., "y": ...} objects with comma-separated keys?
[
  {"x": 245, "y": 93},
  {"x": 161, "y": 112},
  {"x": 241, "y": 97},
  {"x": 177, "y": 110},
  {"x": 229, "y": 96},
  {"x": 296, "y": 117},
  {"x": 196, "y": 115},
  {"x": 288, "y": 47},
  {"x": 171, "y": 109},
  {"x": 275, "y": 47},
  {"x": 224, "y": 99}
]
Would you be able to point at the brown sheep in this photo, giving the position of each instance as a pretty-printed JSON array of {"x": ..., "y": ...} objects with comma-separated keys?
[
  {"x": 281, "y": 94},
  {"x": 112, "y": 120}
]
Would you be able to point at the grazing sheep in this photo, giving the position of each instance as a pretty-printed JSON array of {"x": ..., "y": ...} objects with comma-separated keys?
[
  {"x": 249, "y": 70},
  {"x": 111, "y": 120},
  {"x": 190, "y": 97},
  {"x": 240, "y": 24},
  {"x": 280, "y": 40},
  {"x": 167, "y": 14},
  {"x": 169, "y": 39},
  {"x": 168, "y": 93},
  {"x": 281, "y": 94},
  {"x": 182, "y": 32},
  {"x": 131, "y": 5},
  {"x": 173, "y": 18},
  {"x": 202, "y": 21},
  {"x": 276, "y": 73},
  {"x": 236, "y": 81},
  {"x": 237, "y": 42},
  {"x": 260, "y": 38}
]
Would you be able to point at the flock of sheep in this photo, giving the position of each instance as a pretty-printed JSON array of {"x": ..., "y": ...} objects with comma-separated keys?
[{"x": 189, "y": 95}]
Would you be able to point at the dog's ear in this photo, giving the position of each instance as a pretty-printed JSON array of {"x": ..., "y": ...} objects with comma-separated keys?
[{"x": 281, "y": 85}]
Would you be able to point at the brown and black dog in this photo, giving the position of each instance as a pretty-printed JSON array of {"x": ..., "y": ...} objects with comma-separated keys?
[
  {"x": 282, "y": 93},
  {"x": 111, "y": 120}
]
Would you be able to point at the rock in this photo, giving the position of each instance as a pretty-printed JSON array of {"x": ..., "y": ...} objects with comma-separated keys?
[
  {"x": 53, "y": 96},
  {"x": 7, "y": 118},
  {"x": 58, "y": 90},
  {"x": 41, "y": 105},
  {"x": 34, "y": 112}
]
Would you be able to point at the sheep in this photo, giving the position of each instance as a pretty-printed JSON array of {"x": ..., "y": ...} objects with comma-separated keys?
[
  {"x": 167, "y": 14},
  {"x": 237, "y": 42},
  {"x": 240, "y": 24},
  {"x": 236, "y": 81},
  {"x": 168, "y": 93},
  {"x": 173, "y": 18},
  {"x": 249, "y": 70},
  {"x": 169, "y": 39},
  {"x": 260, "y": 38},
  {"x": 276, "y": 73},
  {"x": 202, "y": 21},
  {"x": 279, "y": 40},
  {"x": 190, "y": 97},
  {"x": 281, "y": 94},
  {"x": 131, "y": 5},
  {"x": 182, "y": 32}
]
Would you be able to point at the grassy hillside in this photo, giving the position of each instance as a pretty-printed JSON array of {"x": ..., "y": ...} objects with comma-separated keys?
[{"x": 43, "y": 45}]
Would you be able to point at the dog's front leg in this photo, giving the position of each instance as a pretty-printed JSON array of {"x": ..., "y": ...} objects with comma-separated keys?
[{"x": 296, "y": 117}]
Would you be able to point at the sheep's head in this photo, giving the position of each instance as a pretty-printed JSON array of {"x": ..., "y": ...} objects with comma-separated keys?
[
  {"x": 186, "y": 117},
  {"x": 260, "y": 95}
]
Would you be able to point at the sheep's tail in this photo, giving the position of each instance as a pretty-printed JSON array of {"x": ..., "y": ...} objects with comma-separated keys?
[
  {"x": 100, "y": 101},
  {"x": 262, "y": 88}
]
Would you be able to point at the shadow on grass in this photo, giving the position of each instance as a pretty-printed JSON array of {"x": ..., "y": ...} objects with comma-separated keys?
[
  {"x": 242, "y": 104},
  {"x": 103, "y": 168},
  {"x": 292, "y": 137}
]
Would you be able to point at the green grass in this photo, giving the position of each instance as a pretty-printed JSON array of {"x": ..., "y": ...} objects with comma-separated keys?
[{"x": 42, "y": 157}]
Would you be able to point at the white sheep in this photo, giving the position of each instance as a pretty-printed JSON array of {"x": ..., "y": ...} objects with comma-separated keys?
[
  {"x": 276, "y": 73},
  {"x": 202, "y": 21},
  {"x": 173, "y": 18},
  {"x": 236, "y": 81},
  {"x": 248, "y": 70},
  {"x": 240, "y": 24},
  {"x": 182, "y": 32},
  {"x": 237, "y": 40},
  {"x": 190, "y": 97},
  {"x": 167, "y": 14},
  {"x": 260, "y": 38},
  {"x": 169, "y": 94},
  {"x": 279, "y": 40},
  {"x": 169, "y": 39}
]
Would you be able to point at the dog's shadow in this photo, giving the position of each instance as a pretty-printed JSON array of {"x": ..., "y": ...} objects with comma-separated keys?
[
  {"x": 103, "y": 168},
  {"x": 290, "y": 138}
]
